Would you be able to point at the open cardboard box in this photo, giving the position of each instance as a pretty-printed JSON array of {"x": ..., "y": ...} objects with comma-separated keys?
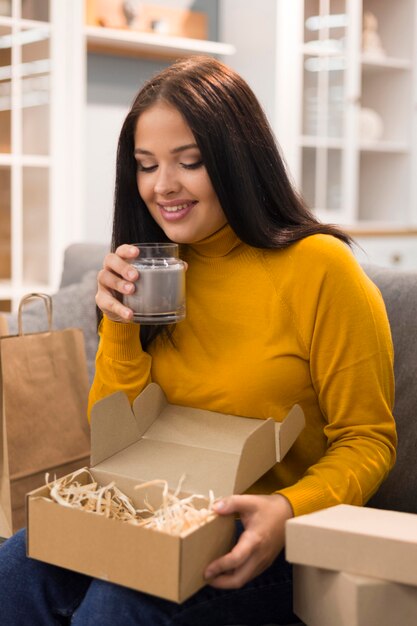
[
  {"x": 327, "y": 598},
  {"x": 359, "y": 540},
  {"x": 157, "y": 440}
]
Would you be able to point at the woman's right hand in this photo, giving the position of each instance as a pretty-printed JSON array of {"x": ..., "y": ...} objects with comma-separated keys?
[{"x": 115, "y": 279}]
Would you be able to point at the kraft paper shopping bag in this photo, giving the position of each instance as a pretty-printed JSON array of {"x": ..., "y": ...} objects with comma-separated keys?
[{"x": 43, "y": 412}]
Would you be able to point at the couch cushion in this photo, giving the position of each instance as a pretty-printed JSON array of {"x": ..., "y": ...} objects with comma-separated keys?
[{"x": 399, "y": 291}]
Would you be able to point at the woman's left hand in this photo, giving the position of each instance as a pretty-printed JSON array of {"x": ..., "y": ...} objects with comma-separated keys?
[{"x": 263, "y": 519}]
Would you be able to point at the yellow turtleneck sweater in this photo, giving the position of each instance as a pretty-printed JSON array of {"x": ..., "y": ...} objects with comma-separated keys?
[{"x": 266, "y": 329}]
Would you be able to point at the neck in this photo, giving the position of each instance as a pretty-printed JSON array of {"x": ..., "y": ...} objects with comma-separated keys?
[{"x": 217, "y": 244}]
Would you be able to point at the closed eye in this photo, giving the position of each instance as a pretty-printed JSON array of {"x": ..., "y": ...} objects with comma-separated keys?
[
  {"x": 192, "y": 166},
  {"x": 150, "y": 168}
]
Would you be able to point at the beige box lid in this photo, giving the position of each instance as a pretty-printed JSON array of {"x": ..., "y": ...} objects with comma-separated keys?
[
  {"x": 155, "y": 439},
  {"x": 359, "y": 540}
]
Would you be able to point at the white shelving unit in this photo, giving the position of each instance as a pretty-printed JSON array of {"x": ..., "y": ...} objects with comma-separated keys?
[
  {"x": 43, "y": 58},
  {"x": 37, "y": 200},
  {"x": 344, "y": 116},
  {"x": 110, "y": 40},
  {"x": 358, "y": 112}
]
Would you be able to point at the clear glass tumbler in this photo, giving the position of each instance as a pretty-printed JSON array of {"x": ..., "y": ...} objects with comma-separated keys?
[{"x": 159, "y": 296}]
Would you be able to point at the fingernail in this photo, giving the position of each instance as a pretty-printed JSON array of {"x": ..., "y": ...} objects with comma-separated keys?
[
  {"x": 131, "y": 274},
  {"x": 209, "y": 573},
  {"x": 219, "y": 506}
]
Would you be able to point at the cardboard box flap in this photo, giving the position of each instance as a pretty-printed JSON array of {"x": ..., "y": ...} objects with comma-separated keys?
[
  {"x": 257, "y": 457},
  {"x": 288, "y": 430},
  {"x": 254, "y": 453},
  {"x": 225, "y": 453},
  {"x": 113, "y": 426},
  {"x": 148, "y": 406}
]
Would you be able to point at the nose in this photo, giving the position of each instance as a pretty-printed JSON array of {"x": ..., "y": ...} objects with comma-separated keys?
[{"x": 166, "y": 181}]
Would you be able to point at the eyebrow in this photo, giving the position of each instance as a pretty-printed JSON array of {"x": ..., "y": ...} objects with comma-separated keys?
[{"x": 174, "y": 151}]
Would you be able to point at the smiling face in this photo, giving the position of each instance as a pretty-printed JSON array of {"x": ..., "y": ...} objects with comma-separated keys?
[{"x": 171, "y": 177}]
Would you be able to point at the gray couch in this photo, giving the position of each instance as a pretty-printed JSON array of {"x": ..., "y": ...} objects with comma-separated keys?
[{"x": 74, "y": 305}]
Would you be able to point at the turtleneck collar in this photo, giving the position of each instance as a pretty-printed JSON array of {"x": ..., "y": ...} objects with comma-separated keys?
[{"x": 218, "y": 244}]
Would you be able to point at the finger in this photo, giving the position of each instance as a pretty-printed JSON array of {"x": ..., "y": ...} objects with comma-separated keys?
[
  {"x": 233, "y": 559},
  {"x": 106, "y": 299},
  {"x": 236, "y": 504},
  {"x": 111, "y": 306},
  {"x": 118, "y": 265},
  {"x": 127, "y": 251},
  {"x": 114, "y": 282},
  {"x": 240, "y": 576}
]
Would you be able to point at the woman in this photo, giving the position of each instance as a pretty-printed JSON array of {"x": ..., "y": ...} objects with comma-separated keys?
[{"x": 278, "y": 312}]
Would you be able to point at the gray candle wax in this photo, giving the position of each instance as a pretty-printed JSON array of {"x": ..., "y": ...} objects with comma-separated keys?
[{"x": 159, "y": 295}]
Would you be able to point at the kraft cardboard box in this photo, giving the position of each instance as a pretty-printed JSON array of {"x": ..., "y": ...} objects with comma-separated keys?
[
  {"x": 327, "y": 598},
  {"x": 359, "y": 540},
  {"x": 157, "y": 440}
]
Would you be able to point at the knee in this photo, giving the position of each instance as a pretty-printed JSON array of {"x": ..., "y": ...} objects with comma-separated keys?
[
  {"x": 13, "y": 554},
  {"x": 112, "y": 604},
  {"x": 15, "y": 569}
]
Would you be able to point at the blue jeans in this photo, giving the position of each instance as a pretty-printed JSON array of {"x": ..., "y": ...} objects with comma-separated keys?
[{"x": 33, "y": 593}]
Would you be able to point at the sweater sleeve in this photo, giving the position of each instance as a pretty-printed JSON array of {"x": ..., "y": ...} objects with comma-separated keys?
[
  {"x": 121, "y": 364},
  {"x": 350, "y": 351}
]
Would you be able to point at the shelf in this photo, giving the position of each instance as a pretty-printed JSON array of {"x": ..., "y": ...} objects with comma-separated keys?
[
  {"x": 380, "y": 64},
  {"x": 384, "y": 229},
  {"x": 390, "y": 147},
  {"x": 335, "y": 143},
  {"x": 369, "y": 63},
  {"x": 8, "y": 291},
  {"x": 118, "y": 41},
  {"x": 26, "y": 160},
  {"x": 23, "y": 23},
  {"x": 312, "y": 141}
]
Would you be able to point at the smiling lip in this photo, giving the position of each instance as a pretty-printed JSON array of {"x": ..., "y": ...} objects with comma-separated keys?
[{"x": 175, "y": 209}]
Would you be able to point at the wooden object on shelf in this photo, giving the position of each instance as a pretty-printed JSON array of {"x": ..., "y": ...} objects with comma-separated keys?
[
  {"x": 5, "y": 266},
  {"x": 371, "y": 41},
  {"x": 4, "y": 326},
  {"x": 5, "y": 225},
  {"x": 149, "y": 18}
]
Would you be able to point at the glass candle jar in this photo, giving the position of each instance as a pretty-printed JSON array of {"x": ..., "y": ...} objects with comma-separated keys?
[{"x": 159, "y": 296}]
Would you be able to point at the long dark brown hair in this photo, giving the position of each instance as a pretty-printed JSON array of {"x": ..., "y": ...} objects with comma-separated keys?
[{"x": 239, "y": 152}]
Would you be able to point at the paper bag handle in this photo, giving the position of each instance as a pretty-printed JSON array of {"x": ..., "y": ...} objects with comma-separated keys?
[{"x": 47, "y": 300}]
